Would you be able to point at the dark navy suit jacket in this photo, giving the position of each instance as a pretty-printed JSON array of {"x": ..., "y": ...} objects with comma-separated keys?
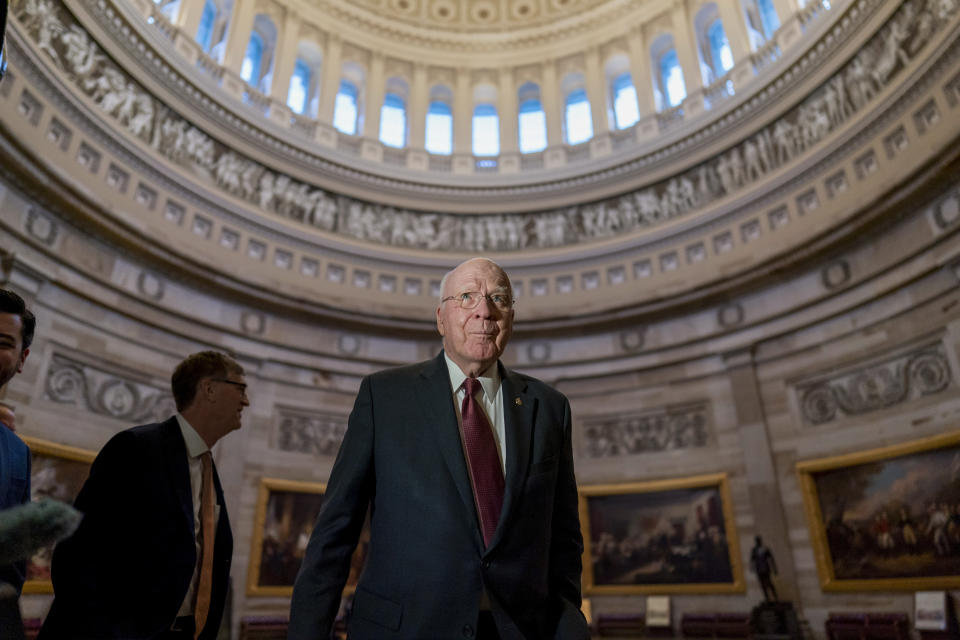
[
  {"x": 427, "y": 567},
  {"x": 126, "y": 570},
  {"x": 14, "y": 490}
]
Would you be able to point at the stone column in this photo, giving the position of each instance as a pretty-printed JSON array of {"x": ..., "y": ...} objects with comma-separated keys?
[
  {"x": 735, "y": 26},
  {"x": 507, "y": 111},
  {"x": 463, "y": 123},
  {"x": 640, "y": 63},
  {"x": 555, "y": 154},
  {"x": 373, "y": 97},
  {"x": 688, "y": 57},
  {"x": 596, "y": 92},
  {"x": 241, "y": 23},
  {"x": 785, "y": 10},
  {"x": 330, "y": 82},
  {"x": 640, "y": 72},
  {"x": 373, "y": 93},
  {"x": 286, "y": 58},
  {"x": 417, "y": 106},
  {"x": 763, "y": 488},
  {"x": 188, "y": 18}
]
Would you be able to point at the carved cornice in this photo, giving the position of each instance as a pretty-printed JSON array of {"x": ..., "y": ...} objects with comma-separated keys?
[
  {"x": 105, "y": 392},
  {"x": 307, "y": 431},
  {"x": 864, "y": 389},
  {"x": 663, "y": 429}
]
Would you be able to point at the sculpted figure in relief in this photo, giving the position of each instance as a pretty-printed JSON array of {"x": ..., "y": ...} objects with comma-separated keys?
[
  {"x": 324, "y": 210},
  {"x": 784, "y": 135},
  {"x": 892, "y": 49},
  {"x": 751, "y": 158},
  {"x": 40, "y": 17},
  {"x": 82, "y": 53}
]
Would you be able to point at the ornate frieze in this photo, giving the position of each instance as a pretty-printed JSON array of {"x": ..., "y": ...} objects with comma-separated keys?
[
  {"x": 646, "y": 432},
  {"x": 919, "y": 373},
  {"x": 310, "y": 432},
  {"x": 107, "y": 393},
  {"x": 55, "y": 32}
]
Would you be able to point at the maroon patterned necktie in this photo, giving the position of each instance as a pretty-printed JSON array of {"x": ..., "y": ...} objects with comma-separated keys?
[{"x": 484, "y": 459}]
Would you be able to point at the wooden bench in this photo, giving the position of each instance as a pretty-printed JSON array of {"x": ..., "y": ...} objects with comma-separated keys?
[
  {"x": 868, "y": 626},
  {"x": 715, "y": 625},
  {"x": 626, "y": 625}
]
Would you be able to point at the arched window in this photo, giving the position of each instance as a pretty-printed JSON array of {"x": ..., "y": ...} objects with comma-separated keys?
[
  {"x": 721, "y": 57},
  {"x": 439, "y": 128},
  {"x": 250, "y": 69},
  {"x": 671, "y": 77},
  {"x": 768, "y": 17},
  {"x": 486, "y": 130},
  {"x": 205, "y": 29},
  {"x": 299, "y": 87},
  {"x": 393, "y": 121},
  {"x": 169, "y": 8},
  {"x": 578, "y": 121},
  {"x": 531, "y": 120},
  {"x": 625, "y": 109},
  {"x": 345, "y": 108}
]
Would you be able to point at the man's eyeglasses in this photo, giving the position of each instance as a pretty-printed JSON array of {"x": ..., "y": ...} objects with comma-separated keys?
[
  {"x": 471, "y": 299},
  {"x": 239, "y": 385}
]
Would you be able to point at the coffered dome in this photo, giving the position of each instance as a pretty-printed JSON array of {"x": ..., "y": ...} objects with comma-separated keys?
[{"x": 470, "y": 17}]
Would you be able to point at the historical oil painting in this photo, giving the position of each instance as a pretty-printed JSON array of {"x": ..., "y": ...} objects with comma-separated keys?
[
  {"x": 887, "y": 518},
  {"x": 57, "y": 472},
  {"x": 670, "y": 536},
  {"x": 286, "y": 512}
]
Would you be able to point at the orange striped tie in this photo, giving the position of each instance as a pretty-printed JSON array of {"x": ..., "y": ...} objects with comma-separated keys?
[{"x": 205, "y": 583}]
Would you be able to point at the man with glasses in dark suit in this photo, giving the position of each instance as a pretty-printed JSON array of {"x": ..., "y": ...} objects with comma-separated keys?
[
  {"x": 467, "y": 468},
  {"x": 151, "y": 558}
]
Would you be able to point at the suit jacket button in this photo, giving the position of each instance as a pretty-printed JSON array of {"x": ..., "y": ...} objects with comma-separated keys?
[
  {"x": 485, "y": 564},
  {"x": 467, "y": 631}
]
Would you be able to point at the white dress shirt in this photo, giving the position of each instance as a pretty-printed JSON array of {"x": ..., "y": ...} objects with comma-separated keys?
[
  {"x": 491, "y": 402},
  {"x": 196, "y": 447}
]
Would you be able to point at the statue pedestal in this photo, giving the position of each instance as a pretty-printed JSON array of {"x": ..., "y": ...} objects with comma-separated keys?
[{"x": 775, "y": 621}]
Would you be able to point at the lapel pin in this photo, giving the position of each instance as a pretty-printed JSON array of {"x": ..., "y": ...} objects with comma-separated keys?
[{"x": 518, "y": 402}]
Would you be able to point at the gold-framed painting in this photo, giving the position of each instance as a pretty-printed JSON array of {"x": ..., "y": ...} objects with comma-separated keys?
[
  {"x": 286, "y": 513},
  {"x": 663, "y": 537},
  {"x": 57, "y": 471},
  {"x": 886, "y": 518}
]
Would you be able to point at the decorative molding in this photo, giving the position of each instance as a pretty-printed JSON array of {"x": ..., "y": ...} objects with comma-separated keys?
[
  {"x": 41, "y": 226},
  {"x": 730, "y": 315},
  {"x": 836, "y": 274},
  {"x": 633, "y": 339},
  {"x": 310, "y": 432},
  {"x": 63, "y": 41},
  {"x": 664, "y": 429},
  {"x": 107, "y": 393},
  {"x": 921, "y": 372}
]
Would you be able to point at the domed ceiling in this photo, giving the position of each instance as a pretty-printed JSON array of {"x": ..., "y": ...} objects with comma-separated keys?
[{"x": 477, "y": 16}]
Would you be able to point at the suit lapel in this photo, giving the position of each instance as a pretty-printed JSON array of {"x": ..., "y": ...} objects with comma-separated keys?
[
  {"x": 436, "y": 399},
  {"x": 175, "y": 452},
  {"x": 518, "y": 411}
]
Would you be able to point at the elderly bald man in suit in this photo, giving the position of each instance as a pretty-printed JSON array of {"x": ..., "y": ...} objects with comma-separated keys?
[{"x": 468, "y": 469}]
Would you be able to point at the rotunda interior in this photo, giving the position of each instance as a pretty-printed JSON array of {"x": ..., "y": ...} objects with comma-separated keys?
[{"x": 732, "y": 228}]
